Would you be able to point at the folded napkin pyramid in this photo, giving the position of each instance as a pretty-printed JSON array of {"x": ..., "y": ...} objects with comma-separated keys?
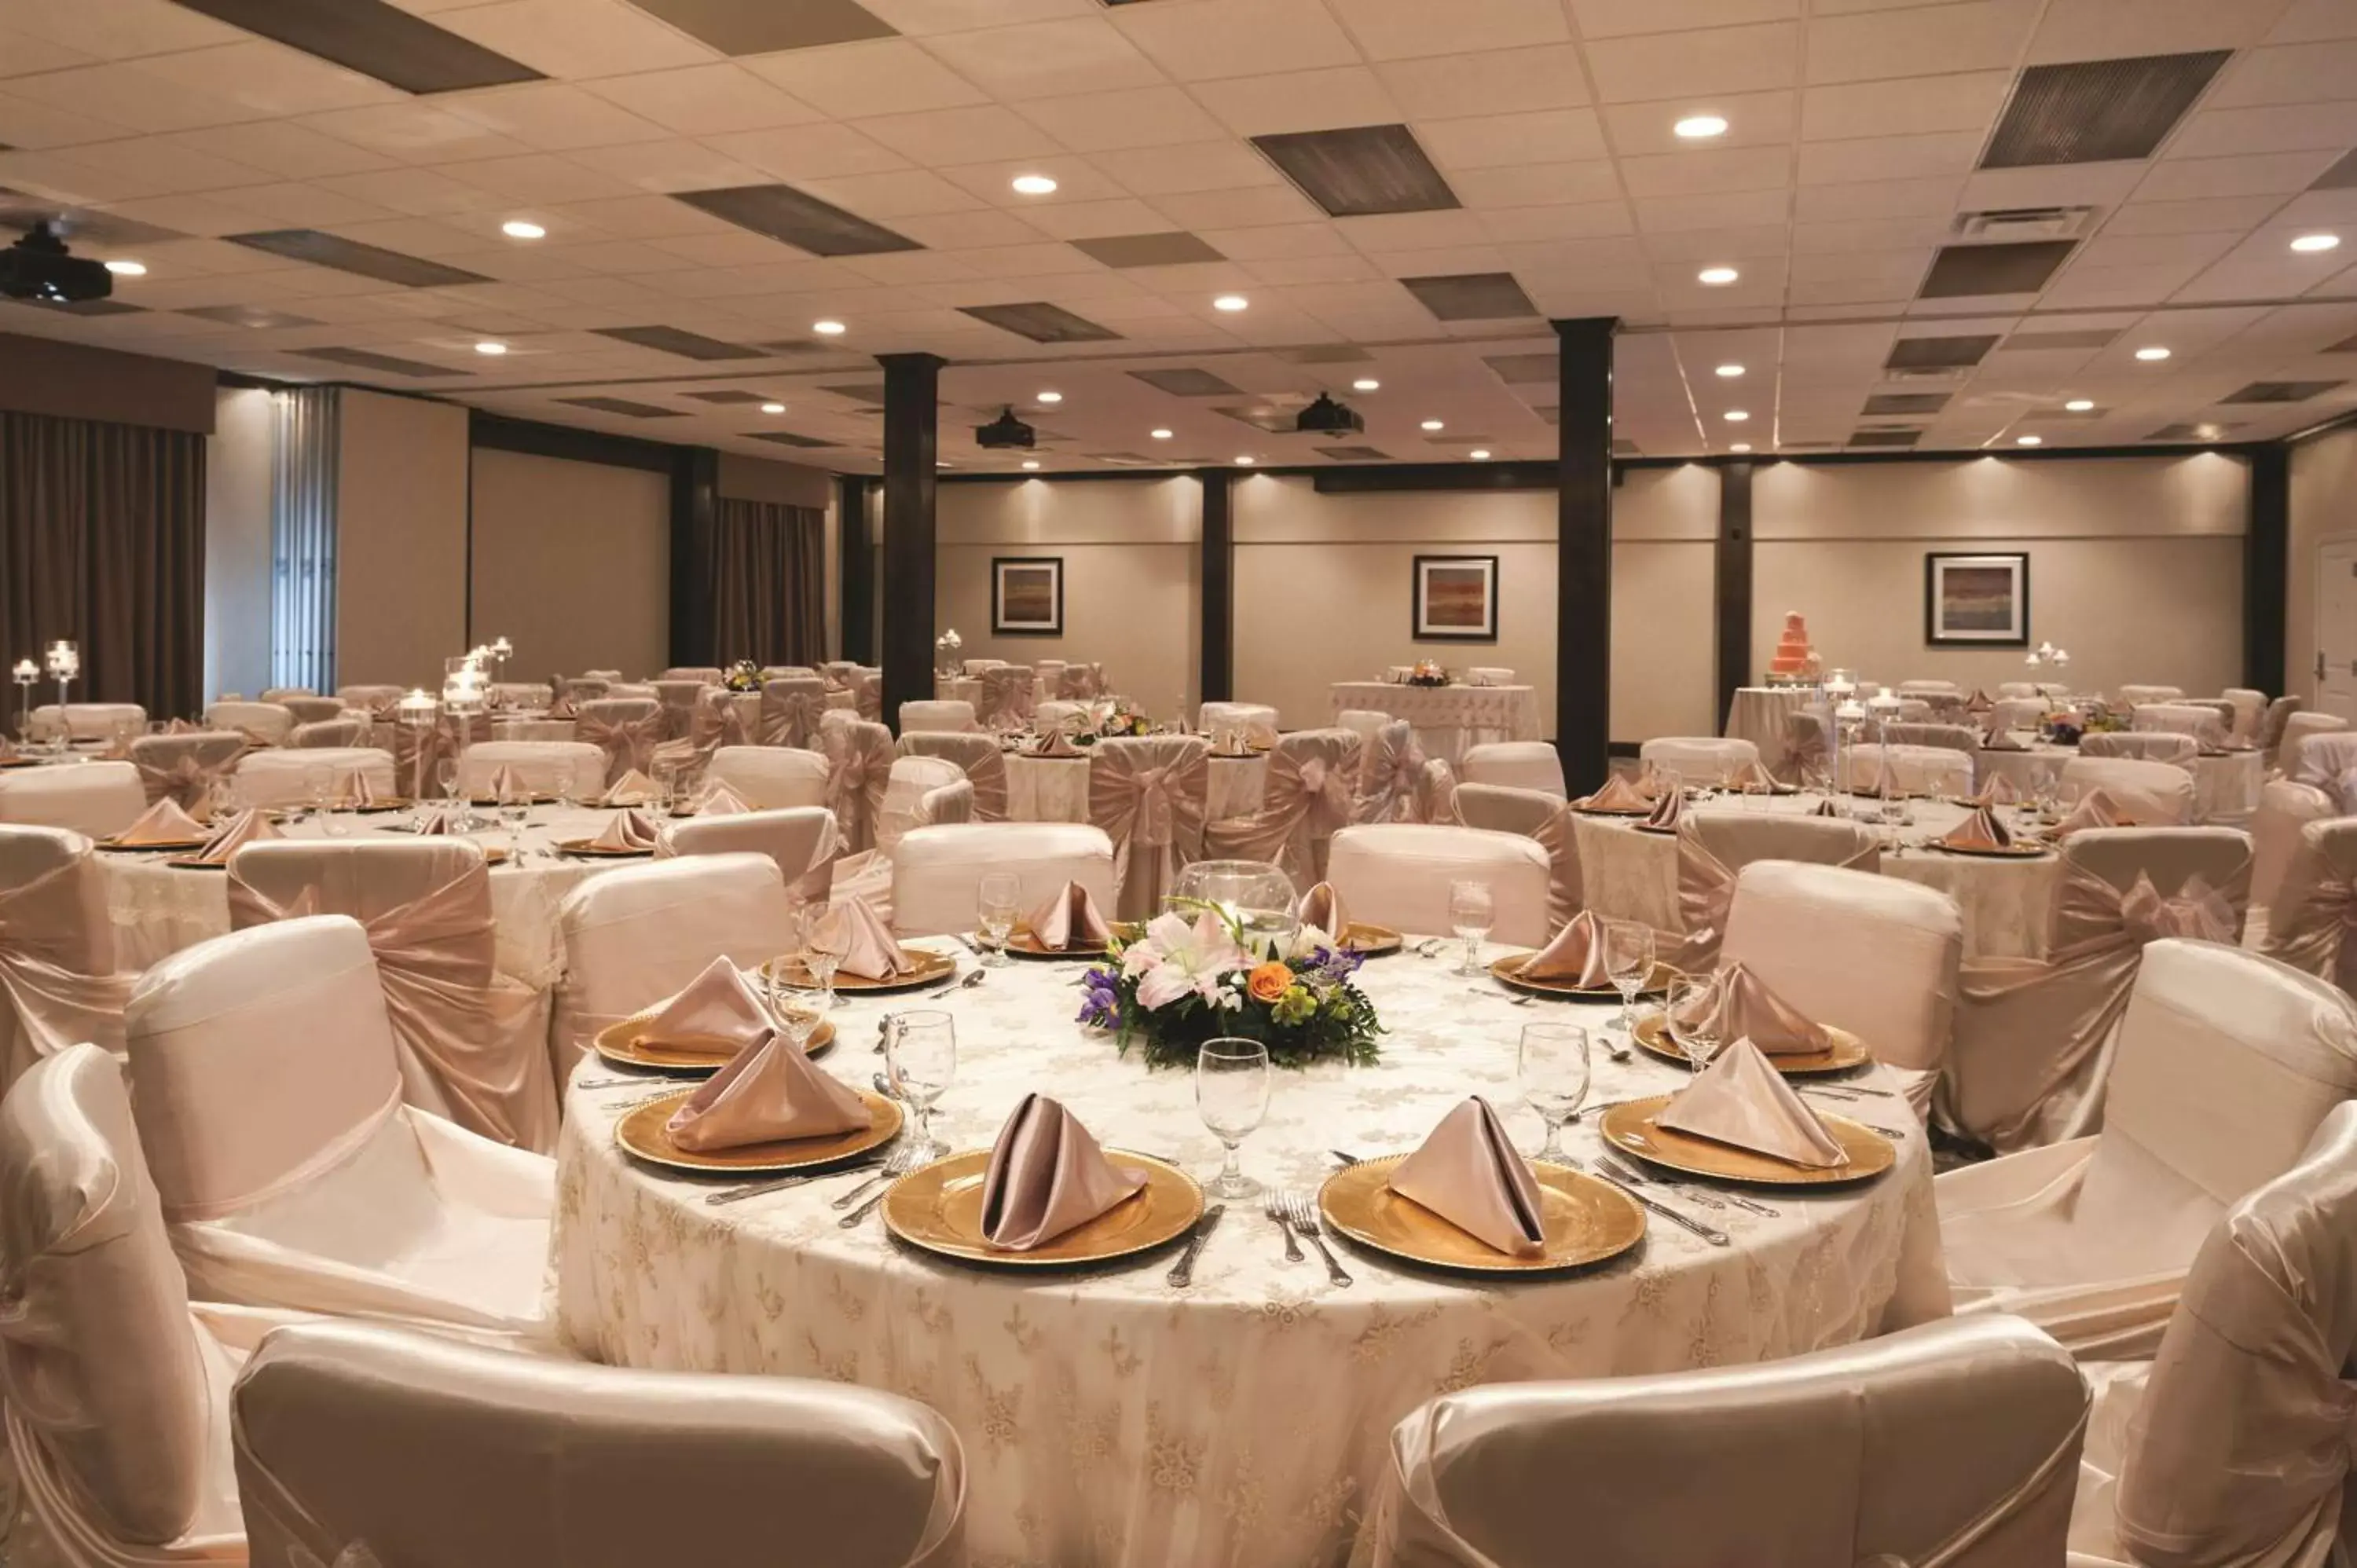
[
  {"x": 1048, "y": 1176},
  {"x": 1979, "y": 702},
  {"x": 1575, "y": 954},
  {"x": 862, "y": 944},
  {"x": 769, "y": 1093},
  {"x": 1322, "y": 907},
  {"x": 717, "y": 800},
  {"x": 163, "y": 822},
  {"x": 1999, "y": 792},
  {"x": 718, "y": 1010},
  {"x": 182, "y": 726},
  {"x": 562, "y": 707},
  {"x": 1057, "y": 744},
  {"x": 1826, "y": 809},
  {"x": 632, "y": 789},
  {"x": 1998, "y": 738},
  {"x": 249, "y": 826},
  {"x": 1979, "y": 831},
  {"x": 2096, "y": 809},
  {"x": 1469, "y": 1174},
  {"x": 1751, "y": 776},
  {"x": 357, "y": 790},
  {"x": 505, "y": 784},
  {"x": 1668, "y": 811},
  {"x": 1069, "y": 919},
  {"x": 1618, "y": 795},
  {"x": 628, "y": 830},
  {"x": 1740, "y": 1005},
  {"x": 1741, "y": 1099},
  {"x": 438, "y": 823}
]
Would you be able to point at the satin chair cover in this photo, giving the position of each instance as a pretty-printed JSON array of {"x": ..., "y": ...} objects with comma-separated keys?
[
  {"x": 1393, "y": 787},
  {"x": 264, "y": 723},
  {"x": 2151, "y": 794},
  {"x": 2329, "y": 761},
  {"x": 618, "y": 690},
  {"x": 292, "y": 1175},
  {"x": 1912, "y": 710},
  {"x": 344, "y": 1430},
  {"x": 770, "y": 778},
  {"x": 714, "y": 722},
  {"x": 98, "y": 799},
  {"x": 858, "y": 754},
  {"x": 1497, "y": 808},
  {"x": 911, "y": 778},
  {"x": 946, "y": 715},
  {"x": 791, "y": 711},
  {"x": 2297, "y": 730},
  {"x": 946, "y": 803},
  {"x": 800, "y": 840},
  {"x": 2285, "y": 811},
  {"x": 2203, "y": 723},
  {"x": 2017, "y": 689},
  {"x": 1697, "y": 760},
  {"x": 1079, "y": 682},
  {"x": 2034, "y": 1035},
  {"x": 1925, "y": 688},
  {"x": 587, "y": 688},
  {"x": 2176, "y": 749},
  {"x": 975, "y": 755},
  {"x": 627, "y": 729},
  {"x": 2138, "y": 696},
  {"x": 1436, "y": 792},
  {"x": 701, "y": 674},
  {"x": 1009, "y": 692},
  {"x": 936, "y": 870},
  {"x": 543, "y": 766},
  {"x": 418, "y": 750},
  {"x": 312, "y": 710},
  {"x": 1952, "y": 1444},
  {"x": 2227, "y": 1064},
  {"x": 117, "y": 1392},
  {"x": 1954, "y": 737},
  {"x": 975, "y": 667},
  {"x": 868, "y": 694},
  {"x": 1364, "y": 723},
  {"x": 89, "y": 721},
  {"x": 1046, "y": 719},
  {"x": 284, "y": 777},
  {"x": 1713, "y": 846},
  {"x": 504, "y": 695},
  {"x": 471, "y": 1043},
  {"x": 638, "y": 933},
  {"x": 2277, "y": 718},
  {"x": 184, "y": 767},
  {"x": 678, "y": 698},
  {"x": 2309, "y": 925},
  {"x": 1312, "y": 779},
  {"x": 1808, "y": 747},
  {"x": 1255, "y": 721},
  {"x": 1048, "y": 674},
  {"x": 2232, "y": 1445},
  {"x": 1489, "y": 675},
  {"x": 1150, "y": 795},
  {"x": 1517, "y": 764},
  {"x": 1913, "y": 769},
  {"x": 58, "y": 972},
  {"x": 1397, "y": 874},
  {"x": 280, "y": 694},
  {"x": 348, "y": 731},
  {"x": 2020, "y": 713},
  {"x": 375, "y": 700}
]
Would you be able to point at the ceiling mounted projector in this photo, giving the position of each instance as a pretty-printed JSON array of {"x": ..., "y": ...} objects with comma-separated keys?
[
  {"x": 1327, "y": 417},
  {"x": 1003, "y": 431},
  {"x": 37, "y": 267}
]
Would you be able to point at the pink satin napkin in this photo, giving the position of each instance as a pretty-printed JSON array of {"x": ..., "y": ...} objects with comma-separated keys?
[
  {"x": 1999, "y": 792},
  {"x": 1826, "y": 809},
  {"x": 769, "y": 1093},
  {"x": 1751, "y": 776},
  {"x": 163, "y": 822},
  {"x": 437, "y": 824},
  {"x": 1057, "y": 744},
  {"x": 561, "y": 708},
  {"x": 2096, "y": 809},
  {"x": 249, "y": 826},
  {"x": 1618, "y": 795},
  {"x": 862, "y": 945},
  {"x": 718, "y": 1010},
  {"x": 717, "y": 800},
  {"x": 1575, "y": 954},
  {"x": 1668, "y": 811},
  {"x": 1468, "y": 1173},
  {"x": 1979, "y": 831},
  {"x": 628, "y": 830},
  {"x": 1998, "y": 738},
  {"x": 1978, "y": 702},
  {"x": 1069, "y": 919},
  {"x": 632, "y": 789},
  {"x": 1740, "y": 1005},
  {"x": 1741, "y": 1099},
  {"x": 1322, "y": 907},
  {"x": 1048, "y": 1176},
  {"x": 183, "y": 726},
  {"x": 357, "y": 790},
  {"x": 504, "y": 783}
]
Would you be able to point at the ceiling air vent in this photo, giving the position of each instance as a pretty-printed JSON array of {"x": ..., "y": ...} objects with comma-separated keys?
[
  {"x": 1355, "y": 454},
  {"x": 2025, "y": 223},
  {"x": 1472, "y": 296},
  {"x": 1962, "y": 272},
  {"x": 1041, "y": 322},
  {"x": 2082, "y": 338},
  {"x": 624, "y": 406},
  {"x": 2098, "y": 111},
  {"x": 1359, "y": 170},
  {"x": 1885, "y": 437},
  {"x": 1938, "y": 353},
  {"x": 1906, "y": 402},
  {"x": 1186, "y": 380},
  {"x": 2280, "y": 391}
]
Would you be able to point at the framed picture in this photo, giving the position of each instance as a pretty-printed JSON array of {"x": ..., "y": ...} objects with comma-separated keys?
[
  {"x": 1026, "y": 595},
  {"x": 1976, "y": 601},
  {"x": 1456, "y": 599}
]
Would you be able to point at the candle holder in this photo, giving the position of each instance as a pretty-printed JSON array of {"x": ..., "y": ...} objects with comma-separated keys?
[
  {"x": 947, "y": 646},
  {"x": 1885, "y": 707},
  {"x": 64, "y": 662},
  {"x": 26, "y": 674}
]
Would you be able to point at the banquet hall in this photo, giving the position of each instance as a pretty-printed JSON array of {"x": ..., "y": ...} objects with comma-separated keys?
[{"x": 1178, "y": 783}]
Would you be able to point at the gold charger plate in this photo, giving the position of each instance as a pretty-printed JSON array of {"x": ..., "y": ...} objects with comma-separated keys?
[
  {"x": 1370, "y": 940},
  {"x": 1584, "y": 1220},
  {"x": 1023, "y": 943},
  {"x": 535, "y": 799},
  {"x": 374, "y": 808},
  {"x": 1847, "y": 1051},
  {"x": 620, "y": 1043},
  {"x": 180, "y": 846},
  {"x": 492, "y": 856},
  {"x": 588, "y": 850},
  {"x": 938, "y": 1209},
  {"x": 642, "y": 1132},
  {"x": 2014, "y": 851},
  {"x": 1506, "y": 973},
  {"x": 1614, "y": 811},
  {"x": 1630, "y": 1128},
  {"x": 931, "y": 969}
]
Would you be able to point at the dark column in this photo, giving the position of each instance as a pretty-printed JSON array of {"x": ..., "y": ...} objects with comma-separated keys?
[
  {"x": 1732, "y": 579},
  {"x": 1218, "y": 629},
  {"x": 694, "y": 505},
  {"x": 854, "y": 561},
  {"x": 2266, "y": 569},
  {"x": 1583, "y": 658},
  {"x": 911, "y": 421}
]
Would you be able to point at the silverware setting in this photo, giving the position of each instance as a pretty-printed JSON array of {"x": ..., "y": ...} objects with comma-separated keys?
[
  {"x": 903, "y": 1161},
  {"x": 1711, "y": 1234},
  {"x": 1345, "y": 1160},
  {"x": 624, "y": 1083},
  {"x": 1634, "y": 1177},
  {"x": 1431, "y": 947},
  {"x": 786, "y": 1183},
  {"x": 1274, "y": 1206},
  {"x": 1512, "y": 998},
  {"x": 1300, "y": 1209},
  {"x": 1182, "y": 1272}
]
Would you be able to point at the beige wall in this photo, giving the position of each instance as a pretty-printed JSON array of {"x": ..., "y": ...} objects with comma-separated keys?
[
  {"x": 572, "y": 563},
  {"x": 401, "y": 538},
  {"x": 2323, "y": 508},
  {"x": 240, "y": 475}
]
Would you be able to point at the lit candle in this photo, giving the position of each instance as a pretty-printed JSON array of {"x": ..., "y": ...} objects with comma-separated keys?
[
  {"x": 27, "y": 672},
  {"x": 1885, "y": 701},
  {"x": 1850, "y": 713}
]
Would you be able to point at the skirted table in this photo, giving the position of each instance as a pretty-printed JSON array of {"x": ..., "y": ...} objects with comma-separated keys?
[
  {"x": 1756, "y": 713},
  {"x": 1447, "y": 719},
  {"x": 2226, "y": 786}
]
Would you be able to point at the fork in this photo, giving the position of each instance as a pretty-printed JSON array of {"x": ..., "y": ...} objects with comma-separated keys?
[
  {"x": 1630, "y": 1174},
  {"x": 902, "y": 1162},
  {"x": 1304, "y": 1215},
  {"x": 783, "y": 1183},
  {"x": 1273, "y": 1205}
]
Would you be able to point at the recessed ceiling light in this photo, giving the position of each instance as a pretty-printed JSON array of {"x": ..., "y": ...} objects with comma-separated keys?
[
  {"x": 487, "y": 346},
  {"x": 2156, "y": 352},
  {"x": 827, "y": 329},
  {"x": 1739, "y": 447},
  {"x": 1737, "y": 415},
  {"x": 2029, "y": 441},
  {"x": 1030, "y": 462},
  {"x": 1051, "y": 397},
  {"x": 1730, "y": 372},
  {"x": 2316, "y": 242},
  {"x": 2081, "y": 405},
  {"x": 1230, "y": 302},
  {"x": 773, "y": 408},
  {"x": 522, "y": 228},
  {"x": 1696, "y": 127},
  {"x": 127, "y": 269},
  {"x": 1717, "y": 277},
  {"x": 1160, "y": 434},
  {"x": 1246, "y": 462},
  {"x": 1434, "y": 424},
  {"x": 1366, "y": 384},
  {"x": 1035, "y": 185},
  {"x": 1480, "y": 453}
]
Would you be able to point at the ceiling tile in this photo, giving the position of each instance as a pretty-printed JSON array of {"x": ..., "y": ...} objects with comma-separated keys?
[
  {"x": 1546, "y": 136},
  {"x": 290, "y": 151},
  {"x": 1236, "y": 37},
  {"x": 1841, "y": 112},
  {"x": 667, "y": 165},
  {"x": 418, "y": 192},
  {"x": 946, "y": 137},
  {"x": 1092, "y": 219},
  {"x": 119, "y": 29},
  {"x": 1687, "y": 65},
  {"x": 1699, "y": 172},
  {"x": 1617, "y": 19},
  {"x": 2308, "y": 21},
  {"x": 854, "y": 80},
  {"x": 2182, "y": 179},
  {"x": 271, "y": 80},
  {"x": 1401, "y": 29},
  {"x": 24, "y": 123},
  {"x": 2096, "y": 30},
  {"x": 1241, "y": 207},
  {"x": 1300, "y": 100},
  {"x": 576, "y": 39},
  {"x": 1579, "y": 221},
  {"x": 1986, "y": 35},
  {"x": 1081, "y": 55},
  {"x": 818, "y": 151},
  {"x": 758, "y": 27},
  {"x": 2304, "y": 73},
  {"x": 2237, "y": 213},
  {"x": 1745, "y": 209},
  {"x": 901, "y": 193},
  {"x": 1890, "y": 157},
  {"x": 1202, "y": 165},
  {"x": 1538, "y": 184},
  {"x": 128, "y": 95},
  {"x": 1877, "y": 198},
  {"x": 415, "y": 132},
  {"x": 2279, "y": 128},
  {"x": 553, "y": 117},
  {"x": 1754, "y": 120},
  {"x": 1139, "y": 117},
  {"x": 705, "y": 100},
  {"x": 1503, "y": 82}
]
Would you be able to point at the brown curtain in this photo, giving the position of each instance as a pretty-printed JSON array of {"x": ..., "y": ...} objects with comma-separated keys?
[
  {"x": 102, "y": 541},
  {"x": 766, "y": 576}
]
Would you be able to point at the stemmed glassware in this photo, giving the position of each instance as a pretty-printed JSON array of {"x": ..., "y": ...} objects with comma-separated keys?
[
  {"x": 1699, "y": 1040},
  {"x": 798, "y": 1005},
  {"x": 1552, "y": 1068},
  {"x": 819, "y": 954},
  {"x": 1628, "y": 964},
  {"x": 446, "y": 778},
  {"x": 1472, "y": 911},
  {"x": 317, "y": 781},
  {"x": 920, "y": 1059},
  {"x": 1231, "y": 1084},
  {"x": 515, "y": 805},
  {"x": 997, "y": 901}
]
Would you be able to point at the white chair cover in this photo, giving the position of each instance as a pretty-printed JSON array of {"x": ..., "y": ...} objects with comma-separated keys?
[
  {"x": 545, "y": 767},
  {"x": 911, "y": 778},
  {"x": 770, "y": 778},
  {"x": 1312, "y": 778},
  {"x": 1079, "y": 682},
  {"x": 946, "y": 803},
  {"x": 418, "y": 749},
  {"x": 1397, "y": 874},
  {"x": 1046, "y": 719},
  {"x": 2298, "y": 728},
  {"x": 2328, "y": 760},
  {"x": 1255, "y": 722},
  {"x": 1008, "y": 695},
  {"x": 1808, "y": 747},
  {"x": 99, "y": 799},
  {"x": 947, "y": 714},
  {"x": 2179, "y": 750},
  {"x": 1947, "y": 1446},
  {"x": 280, "y": 694},
  {"x": 284, "y": 777},
  {"x": 2019, "y": 713},
  {"x": 627, "y": 729},
  {"x": 2227, "y": 1063},
  {"x": 292, "y": 1175},
  {"x": 858, "y": 755},
  {"x": 374, "y": 699},
  {"x": 1713, "y": 846},
  {"x": 1498, "y": 807},
  {"x": 1954, "y": 737},
  {"x": 2276, "y": 720},
  {"x": 2138, "y": 696},
  {"x": 1392, "y": 767},
  {"x": 679, "y": 699},
  {"x": 2035, "y": 1034},
  {"x": 508, "y": 695},
  {"x": 264, "y": 723},
  {"x": 800, "y": 839},
  {"x": 1489, "y": 675},
  {"x": 1364, "y": 723},
  {"x": 701, "y": 674},
  {"x": 58, "y": 976},
  {"x": 186, "y": 766},
  {"x": 1518, "y": 765},
  {"x": 975, "y": 667},
  {"x": 2203, "y": 723},
  {"x": 1912, "y": 710},
  {"x": 348, "y": 731},
  {"x": 868, "y": 694},
  {"x": 472, "y": 1044},
  {"x": 2017, "y": 689},
  {"x": 2150, "y": 794},
  {"x": 2309, "y": 925},
  {"x": 1913, "y": 769},
  {"x": 975, "y": 755},
  {"x": 1149, "y": 794},
  {"x": 936, "y": 870},
  {"x": 2285, "y": 811},
  {"x": 313, "y": 710},
  {"x": 791, "y": 711},
  {"x": 1925, "y": 688},
  {"x": 1697, "y": 760},
  {"x": 90, "y": 721}
]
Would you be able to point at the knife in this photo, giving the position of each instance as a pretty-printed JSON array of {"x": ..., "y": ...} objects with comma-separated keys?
[
  {"x": 1182, "y": 1272},
  {"x": 1716, "y": 1237}
]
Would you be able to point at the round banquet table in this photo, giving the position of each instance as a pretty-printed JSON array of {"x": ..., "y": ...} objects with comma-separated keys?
[
  {"x": 1626, "y": 875},
  {"x": 1110, "y": 1419},
  {"x": 1447, "y": 719},
  {"x": 1056, "y": 789},
  {"x": 1756, "y": 713},
  {"x": 2226, "y": 786}
]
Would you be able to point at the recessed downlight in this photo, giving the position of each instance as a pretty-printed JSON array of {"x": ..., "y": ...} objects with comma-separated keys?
[
  {"x": 2308, "y": 244},
  {"x": 773, "y": 408},
  {"x": 1050, "y": 397},
  {"x": 1035, "y": 185},
  {"x": 1728, "y": 372},
  {"x": 489, "y": 347},
  {"x": 2152, "y": 355},
  {"x": 2081, "y": 405},
  {"x": 1737, "y": 415},
  {"x": 1230, "y": 302},
  {"x": 1738, "y": 446},
  {"x": 126, "y": 268},
  {"x": 1434, "y": 424},
  {"x": 828, "y": 328},
  {"x": 1717, "y": 277},
  {"x": 1030, "y": 462},
  {"x": 1246, "y": 462},
  {"x": 1700, "y": 127},
  {"x": 522, "y": 228},
  {"x": 2029, "y": 441},
  {"x": 1160, "y": 434},
  {"x": 1366, "y": 384},
  {"x": 1480, "y": 453}
]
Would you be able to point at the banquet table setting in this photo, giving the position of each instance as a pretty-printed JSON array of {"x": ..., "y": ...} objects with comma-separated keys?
[{"x": 1447, "y": 718}]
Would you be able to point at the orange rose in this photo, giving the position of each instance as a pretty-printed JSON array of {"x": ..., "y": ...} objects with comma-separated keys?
[{"x": 1269, "y": 982}]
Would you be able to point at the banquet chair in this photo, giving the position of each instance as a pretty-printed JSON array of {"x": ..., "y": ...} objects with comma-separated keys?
[
  {"x": 1517, "y": 764},
  {"x": 2138, "y": 696},
  {"x": 2231, "y": 1445},
  {"x": 269, "y": 1089},
  {"x": 1256, "y": 722},
  {"x": 2203, "y": 723},
  {"x": 1050, "y": 715},
  {"x": 1398, "y": 875},
  {"x": 1808, "y": 747},
  {"x": 770, "y": 778},
  {"x": 701, "y": 674},
  {"x": 2328, "y": 760},
  {"x": 976, "y": 755},
  {"x": 937, "y": 870},
  {"x": 912, "y": 777},
  {"x": 1079, "y": 682},
  {"x": 859, "y": 755},
  {"x": 1150, "y": 794},
  {"x": 1536, "y": 815},
  {"x": 570, "y": 770},
  {"x": 678, "y": 699},
  {"x": 2034, "y": 1035},
  {"x": 118, "y": 1389},
  {"x": 1489, "y": 675},
  {"x": 636, "y": 934},
  {"x": 186, "y": 766},
  {"x": 1697, "y": 760},
  {"x": 1715, "y": 846},
  {"x": 312, "y": 710},
  {"x": 1954, "y": 1444},
  {"x": 2017, "y": 689},
  {"x": 1913, "y": 769},
  {"x": 1911, "y": 711},
  {"x": 418, "y": 750},
  {"x": 1312, "y": 779},
  {"x": 791, "y": 711},
  {"x": 89, "y": 721},
  {"x": 100, "y": 799},
  {"x": 825, "y": 672},
  {"x": 1926, "y": 688},
  {"x": 1956, "y": 737},
  {"x": 867, "y": 693},
  {"x": 627, "y": 729},
  {"x": 2227, "y": 1064},
  {"x": 280, "y": 694},
  {"x": 1009, "y": 693},
  {"x": 291, "y": 778},
  {"x": 2019, "y": 713},
  {"x": 587, "y": 688},
  {"x": 2285, "y": 811},
  {"x": 1048, "y": 674},
  {"x": 974, "y": 667},
  {"x": 59, "y": 980},
  {"x": 1364, "y": 723},
  {"x": 2271, "y": 725},
  {"x": 369, "y": 699},
  {"x": 529, "y": 695},
  {"x": 800, "y": 839},
  {"x": 471, "y": 1043},
  {"x": 2309, "y": 924},
  {"x": 265, "y": 723},
  {"x": 2298, "y": 728},
  {"x": 353, "y": 730},
  {"x": 618, "y": 690},
  {"x": 2172, "y": 747},
  {"x": 1396, "y": 781},
  {"x": 343, "y": 1431},
  {"x": 2150, "y": 794},
  {"x": 937, "y": 714}
]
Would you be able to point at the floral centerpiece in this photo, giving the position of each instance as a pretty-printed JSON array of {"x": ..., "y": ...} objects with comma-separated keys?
[
  {"x": 1184, "y": 980},
  {"x": 1105, "y": 721},
  {"x": 1428, "y": 673},
  {"x": 743, "y": 676}
]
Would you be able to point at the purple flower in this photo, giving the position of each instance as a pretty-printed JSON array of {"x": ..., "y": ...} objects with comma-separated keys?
[{"x": 1101, "y": 1004}]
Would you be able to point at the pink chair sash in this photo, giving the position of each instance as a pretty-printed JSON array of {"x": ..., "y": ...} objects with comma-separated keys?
[
  {"x": 1308, "y": 797},
  {"x": 1149, "y": 796},
  {"x": 418, "y": 750},
  {"x": 2318, "y": 932},
  {"x": 790, "y": 711},
  {"x": 858, "y": 769},
  {"x": 1566, "y": 891},
  {"x": 1804, "y": 746},
  {"x": 868, "y": 695},
  {"x": 1436, "y": 792},
  {"x": 978, "y": 756},
  {"x": 1706, "y": 893},
  {"x": 185, "y": 768},
  {"x": 1391, "y": 776},
  {"x": 1005, "y": 696},
  {"x": 57, "y": 961},
  {"x": 628, "y": 743}
]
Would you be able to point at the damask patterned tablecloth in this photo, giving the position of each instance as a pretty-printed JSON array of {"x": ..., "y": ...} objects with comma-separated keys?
[
  {"x": 1756, "y": 713},
  {"x": 2225, "y": 788},
  {"x": 1056, "y": 789},
  {"x": 1447, "y": 719},
  {"x": 1111, "y": 1420}
]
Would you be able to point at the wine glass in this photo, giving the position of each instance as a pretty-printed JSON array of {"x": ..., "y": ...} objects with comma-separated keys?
[
  {"x": 821, "y": 952},
  {"x": 798, "y": 1003},
  {"x": 1232, "y": 1084},
  {"x": 317, "y": 781},
  {"x": 1690, "y": 998},
  {"x": 446, "y": 778},
  {"x": 920, "y": 1059},
  {"x": 995, "y": 905},
  {"x": 1628, "y": 962},
  {"x": 567, "y": 782},
  {"x": 1552, "y": 1068},
  {"x": 1472, "y": 910},
  {"x": 515, "y": 805}
]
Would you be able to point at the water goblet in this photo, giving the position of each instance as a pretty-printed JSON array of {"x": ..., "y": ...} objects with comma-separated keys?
[
  {"x": 515, "y": 806},
  {"x": 822, "y": 944},
  {"x": 1629, "y": 963},
  {"x": 446, "y": 778},
  {"x": 567, "y": 784},
  {"x": 995, "y": 904},
  {"x": 1690, "y": 998},
  {"x": 317, "y": 781},
  {"x": 920, "y": 1059},
  {"x": 1552, "y": 1067},
  {"x": 1231, "y": 1084},
  {"x": 798, "y": 1003},
  {"x": 1472, "y": 910}
]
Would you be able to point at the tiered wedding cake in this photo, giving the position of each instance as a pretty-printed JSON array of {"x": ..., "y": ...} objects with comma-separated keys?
[{"x": 1794, "y": 656}]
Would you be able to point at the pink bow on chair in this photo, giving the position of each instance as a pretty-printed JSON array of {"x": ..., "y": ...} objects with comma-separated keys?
[
  {"x": 1328, "y": 794},
  {"x": 628, "y": 743}
]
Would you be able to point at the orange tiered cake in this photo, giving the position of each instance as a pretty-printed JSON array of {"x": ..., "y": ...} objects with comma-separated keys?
[{"x": 1793, "y": 654}]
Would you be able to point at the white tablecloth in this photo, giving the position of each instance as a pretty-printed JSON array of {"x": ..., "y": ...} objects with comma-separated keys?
[
  {"x": 2225, "y": 789},
  {"x": 1056, "y": 789},
  {"x": 1112, "y": 1420},
  {"x": 1447, "y": 719},
  {"x": 1756, "y": 713}
]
